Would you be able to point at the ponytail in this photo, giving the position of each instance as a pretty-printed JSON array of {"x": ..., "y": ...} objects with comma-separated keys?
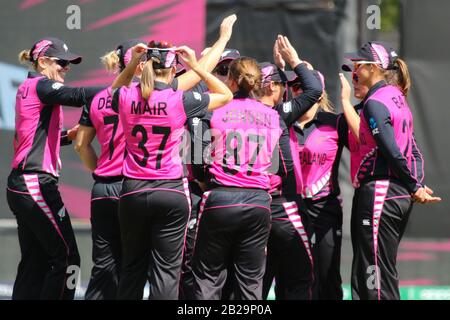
[
  {"x": 25, "y": 58},
  {"x": 246, "y": 73},
  {"x": 111, "y": 61},
  {"x": 403, "y": 78},
  {"x": 147, "y": 80}
]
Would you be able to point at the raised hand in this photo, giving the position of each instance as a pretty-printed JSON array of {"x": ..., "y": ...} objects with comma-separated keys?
[
  {"x": 346, "y": 89},
  {"x": 188, "y": 56},
  {"x": 277, "y": 58},
  {"x": 287, "y": 51},
  {"x": 226, "y": 27},
  {"x": 138, "y": 51}
]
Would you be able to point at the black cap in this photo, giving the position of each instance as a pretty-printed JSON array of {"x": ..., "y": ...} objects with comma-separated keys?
[
  {"x": 373, "y": 52},
  {"x": 123, "y": 50},
  {"x": 271, "y": 72},
  {"x": 229, "y": 54},
  {"x": 164, "y": 53},
  {"x": 53, "y": 47}
]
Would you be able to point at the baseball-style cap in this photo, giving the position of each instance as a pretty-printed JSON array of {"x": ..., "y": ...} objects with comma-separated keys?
[
  {"x": 372, "y": 51},
  {"x": 271, "y": 72},
  {"x": 123, "y": 50},
  {"x": 164, "y": 53},
  {"x": 53, "y": 47},
  {"x": 229, "y": 54}
]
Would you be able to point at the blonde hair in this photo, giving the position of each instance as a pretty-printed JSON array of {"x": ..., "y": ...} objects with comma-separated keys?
[
  {"x": 25, "y": 58},
  {"x": 325, "y": 103},
  {"x": 111, "y": 61},
  {"x": 148, "y": 77},
  {"x": 246, "y": 73},
  {"x": 399, "y": 77}
]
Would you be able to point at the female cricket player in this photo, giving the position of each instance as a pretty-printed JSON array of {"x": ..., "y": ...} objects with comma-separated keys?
[
  {"x": 47, "y": 242},
  {"x": 385, "y": 184},
  {"x": 155, "y": 202}
]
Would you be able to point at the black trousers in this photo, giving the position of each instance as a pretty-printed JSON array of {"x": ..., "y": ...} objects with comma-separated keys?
[
  {"x": 233, "y": 231},
  {"x": 326, "y": 218},
  {"x": 380, "y": 213},
  {"x": 187, "y": 278},
  {"x": 153, "y": 219},
  {"x": 50, "y": 263},
  {"x": 289, "y": 253},
  {"x": 106, "y": 244}
]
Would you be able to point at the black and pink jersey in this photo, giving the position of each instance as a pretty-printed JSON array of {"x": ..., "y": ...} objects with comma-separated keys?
[
  {"x": 104, "y": 117},
  {"x": 247, "y": 137},
  {"x": 386, "y": 138},
  {"x": 153, "y": 129},
  {"x": 39, "y": 120},
  {"x": 318, "y": 147},
  {"x": 352, "y": 144}
]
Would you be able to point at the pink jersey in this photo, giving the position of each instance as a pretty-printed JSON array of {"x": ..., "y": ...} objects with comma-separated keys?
[
  {"x": 355, "y": 155},
  {"x": 109, "y": 132},
  {"x": 245, "y": 133},
  {"x": 386, "y": 99},
  {"x": 318, "y": 152},
  {"x": 153, "y": 131},
  {"x": 38, "y": 131}
]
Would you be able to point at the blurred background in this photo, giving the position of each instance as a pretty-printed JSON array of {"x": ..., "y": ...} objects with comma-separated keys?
[{"x": 321, "y": 30}]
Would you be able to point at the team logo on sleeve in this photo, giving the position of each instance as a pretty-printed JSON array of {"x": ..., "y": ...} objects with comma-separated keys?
[
  {"x": 373, "y": 125},
  {"x": 287, "y": 107},
  {"x": 197, "y": 96},
  {"x": 57, "y": 85}
]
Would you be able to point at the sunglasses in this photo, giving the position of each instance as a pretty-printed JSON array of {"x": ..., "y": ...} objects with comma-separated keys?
[
  {"x": 60, "y": 62},
  {"x": 221, "y": 70}
]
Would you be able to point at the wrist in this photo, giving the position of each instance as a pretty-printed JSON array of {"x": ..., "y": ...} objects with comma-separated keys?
[{"x": 295, "y": 62}]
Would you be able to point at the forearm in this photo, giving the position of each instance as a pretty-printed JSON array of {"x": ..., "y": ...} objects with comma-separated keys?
[
  {"x": 88, "y": 156},
  {"x": 189, "y": 79}
]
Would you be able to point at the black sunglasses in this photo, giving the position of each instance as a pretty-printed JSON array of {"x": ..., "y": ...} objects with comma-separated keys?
[
  {"x": 60, "y": 62},
  {"x": 221, "y": 70}
]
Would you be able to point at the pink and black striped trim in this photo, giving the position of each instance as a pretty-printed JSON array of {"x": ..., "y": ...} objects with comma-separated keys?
[
  {"x": 32, "y": 183},
  {"x": 188, "y": 198},
  {"x": 291, "y": 209},
  {"x": 381, "y": 189},
  {"x": 200, "y": 213}
]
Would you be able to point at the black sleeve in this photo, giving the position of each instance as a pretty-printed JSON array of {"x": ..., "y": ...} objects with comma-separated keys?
[
  {"x": 51, "y": 92},
  {"x": 200, "y": 143},
  {"x": 342, "y": 129},
  {"x": 64, "y": 140},
  {"x": 201, "y": 87},
  {"x": 379, "y": 118},
  {"x": 85, "y": 118},
  {"x": 418, "y": 161},
  {"x": 174, "y": 84},
  {"x": 293, "y": 109},
  {"x": 282, "y": 162},
  {"x": 195, "y": 104}
]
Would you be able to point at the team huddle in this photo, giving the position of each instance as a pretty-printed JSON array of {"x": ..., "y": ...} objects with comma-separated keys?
[{"x": 217, "y": 177}]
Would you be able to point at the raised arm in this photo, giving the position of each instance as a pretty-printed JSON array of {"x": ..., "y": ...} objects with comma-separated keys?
[{"x": 208, "y": 62}]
